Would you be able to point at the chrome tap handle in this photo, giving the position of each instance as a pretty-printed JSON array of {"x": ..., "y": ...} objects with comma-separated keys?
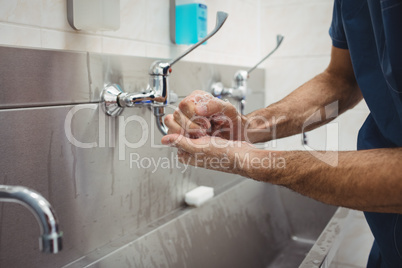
[
  {"x": 220, "y": 20},
  {"x": 279, "y": 39}
]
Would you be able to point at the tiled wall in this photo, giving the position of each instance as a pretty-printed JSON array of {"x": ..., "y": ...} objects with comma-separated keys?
[
  {"x": 144, "y": 30},
  {"x": 248, "y": 35}
]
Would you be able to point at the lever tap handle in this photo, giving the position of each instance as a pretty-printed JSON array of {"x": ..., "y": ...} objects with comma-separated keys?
[
  {"x": 279, "y": 39},
  {"x": 220, "y": 20}
]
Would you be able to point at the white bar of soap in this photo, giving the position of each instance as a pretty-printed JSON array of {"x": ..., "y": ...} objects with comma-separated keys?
[{"x": 199, "y": 196}]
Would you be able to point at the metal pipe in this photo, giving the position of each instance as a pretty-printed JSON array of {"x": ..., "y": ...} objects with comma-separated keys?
[
  {"x": 241, "y": 105},
  {"x": 159, "y": 112},
  {"x": 50, "y": 240}
]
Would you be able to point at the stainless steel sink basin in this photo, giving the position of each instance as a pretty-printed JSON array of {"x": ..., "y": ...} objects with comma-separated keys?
[{"x": 248, "y": 224}]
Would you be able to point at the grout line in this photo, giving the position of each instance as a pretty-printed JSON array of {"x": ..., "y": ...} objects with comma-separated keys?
[
  {"x": 102, "y": 43},
  {"x": 301, "y": 56},
  {"x": 285, "y": 5},
  {"x": 72, "y": 31},
  {"x": 103, "y": 35},
  {"x": 259, "y": 31},
  {"x": 33, "y": 26}
]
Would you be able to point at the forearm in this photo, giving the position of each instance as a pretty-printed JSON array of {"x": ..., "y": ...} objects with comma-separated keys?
[
  {"x": 365, "y": 180},
  {"x": 326, "y": 96}
]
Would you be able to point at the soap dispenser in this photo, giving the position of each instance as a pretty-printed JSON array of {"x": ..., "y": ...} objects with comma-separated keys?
[{"x": 188, "y": 21}]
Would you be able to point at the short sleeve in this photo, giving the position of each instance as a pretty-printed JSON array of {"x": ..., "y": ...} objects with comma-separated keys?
[{"x": 336, "y": 31}]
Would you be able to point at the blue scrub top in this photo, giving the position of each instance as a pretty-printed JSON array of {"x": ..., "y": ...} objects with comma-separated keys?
[{"x": 372, "y": 31}]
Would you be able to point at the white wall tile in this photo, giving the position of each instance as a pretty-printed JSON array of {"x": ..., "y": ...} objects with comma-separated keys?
[
  {"x": 54, "y": 15},
  {"x": 133, "y": 21},
  {"x": 217, "y": 43},
  {"x": 71, "y": 41},
  {"x": 160, "y": 51},
  {"x": 270, "y": 3},
  {"x": 158, "y": 26},
  {"x": 361, "y": 106},
  {"x": 240, "y": 34},
  {"x": 355, "y": 248},
  {"x": 304, "y": 26},
  {"x": 15, "y": 35},
  {"x": 283, "y": 75},
  {"x": 349, "y": 125},
  {"x": 26, "y": 12},
  {"x": 287, "y": 144},
  {"x": 121, "y": 46}
]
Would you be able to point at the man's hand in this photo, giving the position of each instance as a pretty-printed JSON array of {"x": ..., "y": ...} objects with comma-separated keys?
[
  {"x": 213, "y": 153},
  {"x": 201, "y": 114}
]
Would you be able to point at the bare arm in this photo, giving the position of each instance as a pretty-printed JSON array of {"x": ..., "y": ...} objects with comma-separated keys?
[
  {"x": 336, "y": 83},
  {"x": 364, "y": 180},
  {"x": 287, "y": 117}
]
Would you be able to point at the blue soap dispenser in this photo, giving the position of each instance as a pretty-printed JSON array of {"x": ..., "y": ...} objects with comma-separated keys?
[{"x": 188, "y": 21}]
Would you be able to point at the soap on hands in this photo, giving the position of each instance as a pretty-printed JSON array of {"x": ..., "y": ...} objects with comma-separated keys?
[
  {"x": 201, "y": 114},
  {"x": 199, "y": 196}
]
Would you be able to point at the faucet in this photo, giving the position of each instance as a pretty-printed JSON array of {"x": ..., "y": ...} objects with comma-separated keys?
[
  {"x": 50, "y": 240},
  {"x": 239, "y": 89},
  {"x": 157, "y": 94}
]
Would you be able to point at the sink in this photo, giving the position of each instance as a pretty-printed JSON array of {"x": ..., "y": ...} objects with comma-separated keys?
[{"x": 247, "y": 224}]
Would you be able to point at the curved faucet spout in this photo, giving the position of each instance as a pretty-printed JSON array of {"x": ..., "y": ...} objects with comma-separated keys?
[
  {"x": 159, "y": 112},
  {"x": 50, "y": 240}
]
